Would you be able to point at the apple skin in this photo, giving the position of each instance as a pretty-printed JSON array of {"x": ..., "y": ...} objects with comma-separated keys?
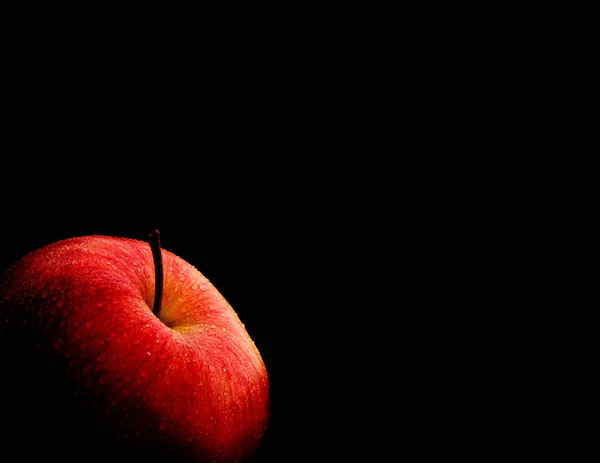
[{"x": 189, "y": 383}]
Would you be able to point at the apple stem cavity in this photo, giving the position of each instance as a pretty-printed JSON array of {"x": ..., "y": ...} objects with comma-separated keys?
[{"x": 158, "y": 271}]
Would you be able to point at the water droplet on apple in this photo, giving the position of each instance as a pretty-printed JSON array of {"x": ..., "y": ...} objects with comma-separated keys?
[
  {"x": 87, "y": 367},
  {"x": 101, "y": 357},
  {"x": 162, "y": 425},
  {"x": 97, "y": 344},
  {"x": 60, "y": 303},
  {"x": 89, "y": 323}
]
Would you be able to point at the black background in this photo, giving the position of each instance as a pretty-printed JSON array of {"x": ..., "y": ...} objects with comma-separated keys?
[
  {"x": 340, "y": 176},
  {"x": 308, "y": 163}
]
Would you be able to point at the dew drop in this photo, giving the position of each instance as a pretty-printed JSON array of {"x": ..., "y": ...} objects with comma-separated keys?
[
  {"x": 101, "y": 357},
  {"x": 60, "y": 303},
  {"x": 87, "y": 367},
  {"x": 97, "y": 344}
]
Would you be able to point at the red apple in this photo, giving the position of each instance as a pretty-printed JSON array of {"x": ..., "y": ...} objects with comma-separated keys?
[{"x": 153, "y": 359}]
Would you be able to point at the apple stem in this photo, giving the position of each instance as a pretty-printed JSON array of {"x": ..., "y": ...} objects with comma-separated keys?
[{"x": 158, "y": 270}]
